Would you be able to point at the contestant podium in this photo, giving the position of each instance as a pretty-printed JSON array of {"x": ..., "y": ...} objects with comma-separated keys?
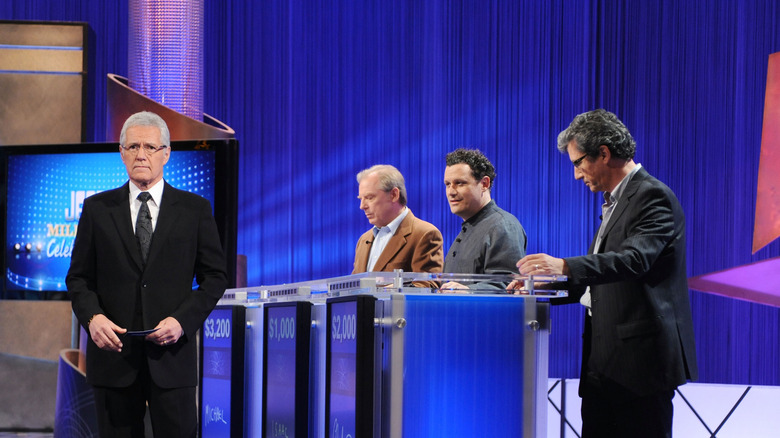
[{"x": 370, "y": 355}]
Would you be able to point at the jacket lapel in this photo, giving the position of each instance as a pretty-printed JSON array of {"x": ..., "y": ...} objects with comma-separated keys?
[
  {"x": 624, "y": 202},
  {"x": 120, "y": 213},
  {"x": 362, "y": 252},
  {"x": 396, "y": 242},
  {"x": 166, "y": 219}
]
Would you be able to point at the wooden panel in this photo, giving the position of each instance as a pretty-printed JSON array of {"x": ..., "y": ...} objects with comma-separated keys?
[
  {"x": 40, "y": 109},
  {"x": 42, "y": 82},
  {"x": 41, "y": 34},
  {"x": 41, "y": 60},
  {"x": 38, "y": 329}
]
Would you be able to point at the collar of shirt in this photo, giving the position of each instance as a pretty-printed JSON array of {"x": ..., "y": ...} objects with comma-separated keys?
[
  {"x": 156, "y": 191},
  {"x": 612, "y": 197},
  {"x": 382, "y": 237},
  {"x": 394, "y": 224},
  {"x": 481, "y": 214},
  {"x": 154, "y": 204}
]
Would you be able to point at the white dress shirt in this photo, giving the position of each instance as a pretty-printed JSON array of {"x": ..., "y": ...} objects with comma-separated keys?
[
  {"x": 382, "y": 236},
  {"x": 154, "y": 204}
]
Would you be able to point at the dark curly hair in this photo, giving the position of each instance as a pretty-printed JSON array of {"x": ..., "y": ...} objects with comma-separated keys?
[{"x": 476, "y": 160}]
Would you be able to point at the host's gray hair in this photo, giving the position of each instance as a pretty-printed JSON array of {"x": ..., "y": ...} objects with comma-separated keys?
[
  {"x": 146, "y": 118},
  {"x": 389, "y": 178},
  {"x": 596, "y": 128}
]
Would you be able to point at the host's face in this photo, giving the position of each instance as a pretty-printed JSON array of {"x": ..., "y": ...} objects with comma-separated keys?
[
  {"x": 465, "y": 194},
  {"x": 145, "y": 169},
  {"x": 380, "y": 207}
]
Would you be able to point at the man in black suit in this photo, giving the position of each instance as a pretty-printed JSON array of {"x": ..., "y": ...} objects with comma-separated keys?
[
  {"x": 133, "y": 261},
  {"x": 638, "y": 341}
]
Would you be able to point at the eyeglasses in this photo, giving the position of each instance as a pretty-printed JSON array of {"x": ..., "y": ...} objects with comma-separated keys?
[
  {"x": 578, "y": 161},
  {"x": 148, "y": 148}
]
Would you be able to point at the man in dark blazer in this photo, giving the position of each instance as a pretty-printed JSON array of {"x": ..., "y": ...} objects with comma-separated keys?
[
  {"x": 398, "y": 239},
  {"x": 119, "y": 285},
  {"x": 638, "y": 341}
]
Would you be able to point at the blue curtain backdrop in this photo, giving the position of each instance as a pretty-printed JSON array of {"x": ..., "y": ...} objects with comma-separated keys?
[{"x": 317, "y": 91}]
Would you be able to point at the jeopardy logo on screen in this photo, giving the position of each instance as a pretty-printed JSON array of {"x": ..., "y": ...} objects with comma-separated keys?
[{"x": 45, "y": 196}]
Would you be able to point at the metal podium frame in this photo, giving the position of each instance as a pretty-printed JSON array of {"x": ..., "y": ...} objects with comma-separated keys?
[{"x": 425, "y": 343}]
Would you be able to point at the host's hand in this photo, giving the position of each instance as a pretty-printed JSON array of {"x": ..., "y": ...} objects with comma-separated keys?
[
  {"x": 168, "y": 332},
  {"x": 104, "y": 333},
  {"x": 453, "y": 287}
]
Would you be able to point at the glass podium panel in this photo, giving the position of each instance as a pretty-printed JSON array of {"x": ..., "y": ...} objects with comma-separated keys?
[
  {"x": 465, "y": 365},
  {"x": 286, "y": 341},
  {"x": 222, "y": 385},
  {"x": 389, "y": 359}
]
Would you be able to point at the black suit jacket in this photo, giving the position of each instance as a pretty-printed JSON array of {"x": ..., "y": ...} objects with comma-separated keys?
[
  {"x": 107, "y": 276},
  {"x": 642, "y": 330}
]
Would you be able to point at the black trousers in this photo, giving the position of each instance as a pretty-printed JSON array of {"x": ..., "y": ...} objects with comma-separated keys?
[
  {"x": 604, "y": 416},
  {"x": 121, "y": 411},
  {"x": 611, "y": 411}
]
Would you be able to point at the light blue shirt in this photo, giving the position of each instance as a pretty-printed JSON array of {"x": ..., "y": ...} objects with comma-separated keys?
[{"x": 382, "y": 236}]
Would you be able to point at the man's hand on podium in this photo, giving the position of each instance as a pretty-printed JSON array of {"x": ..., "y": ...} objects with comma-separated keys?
[{"x": 453, "y": 287}]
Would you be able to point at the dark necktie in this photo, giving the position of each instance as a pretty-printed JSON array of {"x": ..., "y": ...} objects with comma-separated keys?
[{"x": 143, "y": 226}]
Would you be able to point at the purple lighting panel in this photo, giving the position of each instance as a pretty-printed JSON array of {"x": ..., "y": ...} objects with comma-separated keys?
[{"x": 165, "y": 53}]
